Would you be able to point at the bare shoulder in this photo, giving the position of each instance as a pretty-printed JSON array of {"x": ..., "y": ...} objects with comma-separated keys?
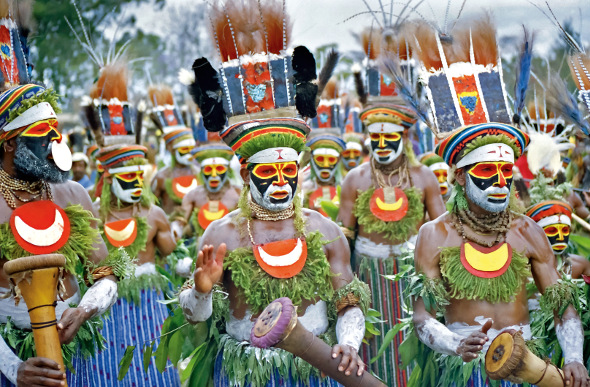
[
  {"x": 527, "y": 227},
  {"x": 71, "y": 192},
  {"x": 224, "y": 230},
  {"x": 318, "y": 222},
  {"x": 157, "y": 213},
  {"x": 356, "y": 175}
]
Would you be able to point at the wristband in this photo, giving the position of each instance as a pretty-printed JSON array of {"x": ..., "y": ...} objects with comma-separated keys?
[{"x": 99, "y": 296}]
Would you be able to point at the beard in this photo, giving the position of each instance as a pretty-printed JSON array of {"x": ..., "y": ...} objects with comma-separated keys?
[
  {"x": 267, "y": 202},
  {"x": 480, "y": 197},
  {"x": 32, "y": 168}
]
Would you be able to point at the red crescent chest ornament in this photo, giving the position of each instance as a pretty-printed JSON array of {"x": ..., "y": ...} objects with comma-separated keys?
[
  {"x": 389, "y": 204},
  {"x": 486, "y": 262},
  {"x": 121, "y": 233},
  {"x": 322, "y": 193},
  {"x": 211, "y": 211},
  {"x": 282, "y": 259},
  {"x": 40, "y": 227},
  {"x": 183, "y": 184}
]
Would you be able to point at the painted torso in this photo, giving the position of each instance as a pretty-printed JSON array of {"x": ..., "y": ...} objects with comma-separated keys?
[
  {"x": 314, "y": 192},
  {"x": 194, "y": 201},
  {"x": 363, "y": 181},
  {"x": 465, "y": 311},
  {"x": 166, "y": 176},
  {"x": 64, "y": 195}
]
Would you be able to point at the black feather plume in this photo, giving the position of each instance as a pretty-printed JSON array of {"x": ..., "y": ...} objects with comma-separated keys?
[
  {"x": 207, "y": 93},
  {"x": 326, "y": 72},
  {"x": 303, "y": 64},
  {"x": 562, "y": 102},
  {"x": 360, "y": 87},
  {"x": 138, "y": 126}
]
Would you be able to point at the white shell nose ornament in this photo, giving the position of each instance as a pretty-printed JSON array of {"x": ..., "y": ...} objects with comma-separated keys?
[{"x": 61, "y": 155}]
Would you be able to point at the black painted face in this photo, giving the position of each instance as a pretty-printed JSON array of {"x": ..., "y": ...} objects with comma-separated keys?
[
  {"x": 488, "y": 185},
  {"x": 39, "y": 135},
  {"x": 386, "y": 147},
  {"x": 215, "y": 176},
  {"x": 273, "y": 185},
  {"x": 558, "y": 235}
]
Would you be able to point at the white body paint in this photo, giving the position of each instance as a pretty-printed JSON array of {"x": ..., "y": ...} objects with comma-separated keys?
[
  {"x": 102, "y": 295},
  {"x": 490, "y": 152},
  {"x": 183, "y": 267},
  {"x": 571, "y": 339},
  {"x": 350, "y": 327},
  {"x": 274, "y": 155},
  {"x": 197, "y": 307}
]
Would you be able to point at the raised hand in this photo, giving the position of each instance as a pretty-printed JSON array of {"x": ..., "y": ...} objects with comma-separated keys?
[
  {"x": 209, "y": 267},
  {"x": 471, "y": 346}
]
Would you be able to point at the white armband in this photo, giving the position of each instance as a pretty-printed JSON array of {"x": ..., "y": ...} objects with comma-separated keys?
[
  {"x": 350, "y": 327},
  {"x": 183, "y": 267},
  {"x": 9, "y": 362},
  {"x": 571, "y": 339},
  {"x": 100, "y": 296},
  {"x": 438, "y": 337},
  {"x": 196, "y": 306}
]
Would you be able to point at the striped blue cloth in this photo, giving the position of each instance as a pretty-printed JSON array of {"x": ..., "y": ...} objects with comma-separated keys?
[
  {"x": 129, "y": 324},
  {"x": 476, "y": 380}
]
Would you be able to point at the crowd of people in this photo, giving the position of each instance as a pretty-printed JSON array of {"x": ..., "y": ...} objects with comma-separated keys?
[{"x": 429, "y": 228}]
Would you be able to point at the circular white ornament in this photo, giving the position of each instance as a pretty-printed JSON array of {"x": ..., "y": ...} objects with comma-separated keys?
[{"x": 62, "y": 157}]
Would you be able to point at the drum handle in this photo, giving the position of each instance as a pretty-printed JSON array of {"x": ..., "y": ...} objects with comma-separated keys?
[{"x": 547, "y": 364}]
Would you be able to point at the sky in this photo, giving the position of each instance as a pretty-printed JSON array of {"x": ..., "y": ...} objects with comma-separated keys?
[{"x": 320, "y": 22}]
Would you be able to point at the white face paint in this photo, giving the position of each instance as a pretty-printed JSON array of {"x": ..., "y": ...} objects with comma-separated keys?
[
  {"x": 184, "y": 159},
  {"x": 324, "y": 162},
  {"x": 482, "y": 199},
  {"x": 266, "y": 201},
  {"x": 132, "y": 195}
]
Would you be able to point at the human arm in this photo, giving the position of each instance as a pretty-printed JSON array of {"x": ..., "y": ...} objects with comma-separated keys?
[
  {"x": 430, "y": 331},
  {"x": 103, "y": 293},
  {"x": 196, "y": 302},
  {"x": 350, "y": 324},
  {"x": 568, "y": 326},
  {"x": 432, "y": 197},
  {"x": 578, "y": 205},
  {"x": 348, "y": 195},
  {"x": 164, "y": 240}
]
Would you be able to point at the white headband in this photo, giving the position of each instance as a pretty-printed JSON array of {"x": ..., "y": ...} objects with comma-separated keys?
[
  {"x": 41, "y": 111},
  {"x": 354, "y": 145},
  {"x": 385, "y": 127},
  {"x": 274, "y": 155},
  {"x": 214, "y": 161},
  {"x": 437, "y": 166},
  {"x": 130, "y": 168},
  {"x": 553, "y": 219},
  {"x": 187, "y": 142},
  {"x": 490, "y": 152},
  {"x": 325, "y": 151}
]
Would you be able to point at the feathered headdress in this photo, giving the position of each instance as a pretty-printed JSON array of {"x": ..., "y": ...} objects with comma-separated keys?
[
  {"x": 260, "y": 88},
  {"x": 107, "y": 109},
  {"x": 164, "y": 112},
  {"x": 329, "y": 108},
  {"x": 14, "y": 30}
]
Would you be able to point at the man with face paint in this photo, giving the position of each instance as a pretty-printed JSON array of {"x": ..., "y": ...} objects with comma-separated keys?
[
  {"x": 440, "y": 169},
  {"x": 383, "y": 204},
  {"x": 325, "y": 176},
  {"x": 478, "y": 257},
  {"x": 215, "y": 197},
  {"x": 42, "y": 212},
  {"x": 173, "y": 182},
  {"x": 352, "y": 155},
  {"x": 132, "y": 222},
  {"x": 270, "y": 247}
]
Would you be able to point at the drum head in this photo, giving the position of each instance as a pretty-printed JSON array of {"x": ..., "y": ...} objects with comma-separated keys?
[{"x": 499, "y": 352}]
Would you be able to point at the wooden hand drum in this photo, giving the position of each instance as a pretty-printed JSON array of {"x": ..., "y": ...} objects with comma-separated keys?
[
  {"x": 37, "y": 279},
  {"x": 509, "y": 358},
  {"x": 277, "y": 326}
]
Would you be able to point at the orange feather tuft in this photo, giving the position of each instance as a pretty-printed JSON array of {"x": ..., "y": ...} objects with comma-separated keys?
[
  {"x": 160, "y": 95},
  {"x": 112, "y": 82},
  {"x": 581, "y": 78},
  {"x": 426, "y": 49},
  {"x": 371, "y": 41},
  {"x": 485, "y": 47},
  {"x": 249, "y": 32},
  {"x": 331, "y": 90}
]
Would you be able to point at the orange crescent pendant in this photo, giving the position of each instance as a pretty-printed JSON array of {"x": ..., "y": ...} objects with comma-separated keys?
[
  {"x": 486, "y": 262},
  {"x": 40, "y": 227},
  {"x": 121, "y": 233},
  {"x": 183, "y": 184},
  {"x": 282, "y": 259},
  {"x": 392, "y": 208},
  {"x": 322, "y": 193},
  {"x": 211, "y": 211}
]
